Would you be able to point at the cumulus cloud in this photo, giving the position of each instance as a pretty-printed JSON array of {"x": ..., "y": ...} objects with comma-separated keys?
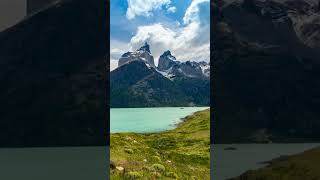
[
  {"x": 189, "y": 41},
  {"x": 116, "y": 50},
  {"x": 172, "y": 9},
  {"x": 145, "y": 7},
  {"x": 193, "y": 12},
  {"x": 113, "y": 64}
]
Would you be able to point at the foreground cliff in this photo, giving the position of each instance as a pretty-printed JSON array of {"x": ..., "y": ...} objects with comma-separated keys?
[
  {"x": 53, "y": 77},
  {"x": 266, "y": 71}
]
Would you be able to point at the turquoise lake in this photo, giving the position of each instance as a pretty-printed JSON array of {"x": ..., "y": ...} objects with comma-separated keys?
[{"x": 143, "y": 120}]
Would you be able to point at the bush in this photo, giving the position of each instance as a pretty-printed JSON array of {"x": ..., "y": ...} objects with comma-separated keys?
[
  {"x": 134, "y": 175},
  {"x": 159, "y": 167},
  {"x": 129, "y": 151},
  {"x": 156, "y": 158}
]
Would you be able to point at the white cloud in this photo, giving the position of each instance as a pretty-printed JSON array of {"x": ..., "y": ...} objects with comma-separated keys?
[
  {"x": 117, "y": 49},
  {"x": 192, "y": 13},
  {"x": 144, "y": 7},
  {"x": 172, "y": 9},
  {"x": 113, "y": 64},
  {"x": 190, "y": 41}
]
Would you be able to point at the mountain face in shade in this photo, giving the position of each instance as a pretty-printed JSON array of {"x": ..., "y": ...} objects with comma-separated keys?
[
  {"x": 266, "y": 70},
  {"x": 143, "y": 54},
  {"x": 53, "y": 77},
  {"x": 136, "y": 83},
  {"x": 166, "y": 61}
]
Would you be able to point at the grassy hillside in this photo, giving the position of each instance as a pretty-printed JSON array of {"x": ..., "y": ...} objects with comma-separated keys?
[
  {"x": 182, "y": 153},
  {"x": 297, "y": 167}
]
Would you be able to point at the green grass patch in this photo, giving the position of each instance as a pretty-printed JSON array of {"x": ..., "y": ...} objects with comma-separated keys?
[{"x": 182, "y": 153}]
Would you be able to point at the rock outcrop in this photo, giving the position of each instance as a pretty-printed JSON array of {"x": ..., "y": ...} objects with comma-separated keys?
[{"x": 142, "y": 54}]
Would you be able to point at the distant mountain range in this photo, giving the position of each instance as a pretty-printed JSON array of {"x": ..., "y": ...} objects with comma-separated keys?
[{"x": 137, "y": 82}]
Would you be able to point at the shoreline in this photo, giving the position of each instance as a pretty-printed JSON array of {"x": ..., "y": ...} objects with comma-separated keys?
[
  {"x": 183, "y": 152},
  {"x": 174, "y": 124},
  {"x": 254, "y": 157},
  {"x": 157, "y": 107},
  {"x": 291, "y": 167}
]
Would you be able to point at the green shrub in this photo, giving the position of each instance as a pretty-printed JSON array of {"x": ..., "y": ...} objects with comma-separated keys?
[
  {"x": 129, "y": 151},
  {"x": 156, "y": 158},
  {"x": 159, "y": 167},
  {"x": 134, "y": 175}
]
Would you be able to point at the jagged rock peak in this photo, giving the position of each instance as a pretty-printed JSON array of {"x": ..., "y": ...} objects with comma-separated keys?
[
  {"x": 146, "y": 47},
  {"x": 166, "y": 53},
  {"x": 166, "y": 61},
  {"x": 142, "y": 54}
]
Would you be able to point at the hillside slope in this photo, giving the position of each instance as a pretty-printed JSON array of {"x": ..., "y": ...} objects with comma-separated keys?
[
  {"x": 182, "y": 153},
  {"x": 266, "y": 70},
  {"x": 53, "y": 77}
]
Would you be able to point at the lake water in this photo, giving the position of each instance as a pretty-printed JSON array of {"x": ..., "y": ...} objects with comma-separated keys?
[
  {"x": 148, "y": 119},
  {"x": 232, "y": 163},
  {"x": 66, "y": 163}
]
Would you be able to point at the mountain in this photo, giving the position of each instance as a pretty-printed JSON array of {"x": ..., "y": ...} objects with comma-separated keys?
[
  {"x": 138, "y": 83},
  {"x": 143, "y": 54},
  {"x": 171, "y": 68},
  {"x": 265, "y": 56},
  {"x": 53, "y": 77}
]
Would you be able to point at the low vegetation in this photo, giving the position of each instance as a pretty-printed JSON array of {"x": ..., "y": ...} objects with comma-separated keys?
[{"x": 182, "y": 153}]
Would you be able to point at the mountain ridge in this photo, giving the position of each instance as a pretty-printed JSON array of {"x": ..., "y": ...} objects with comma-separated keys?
[{"x": 137, "y": 82}]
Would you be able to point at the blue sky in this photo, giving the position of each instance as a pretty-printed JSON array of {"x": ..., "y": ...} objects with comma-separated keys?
[{"x": 181, "y": 26}]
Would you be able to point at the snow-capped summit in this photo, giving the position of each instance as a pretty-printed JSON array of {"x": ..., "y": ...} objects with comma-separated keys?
[{"x": 142, "y": 54}]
